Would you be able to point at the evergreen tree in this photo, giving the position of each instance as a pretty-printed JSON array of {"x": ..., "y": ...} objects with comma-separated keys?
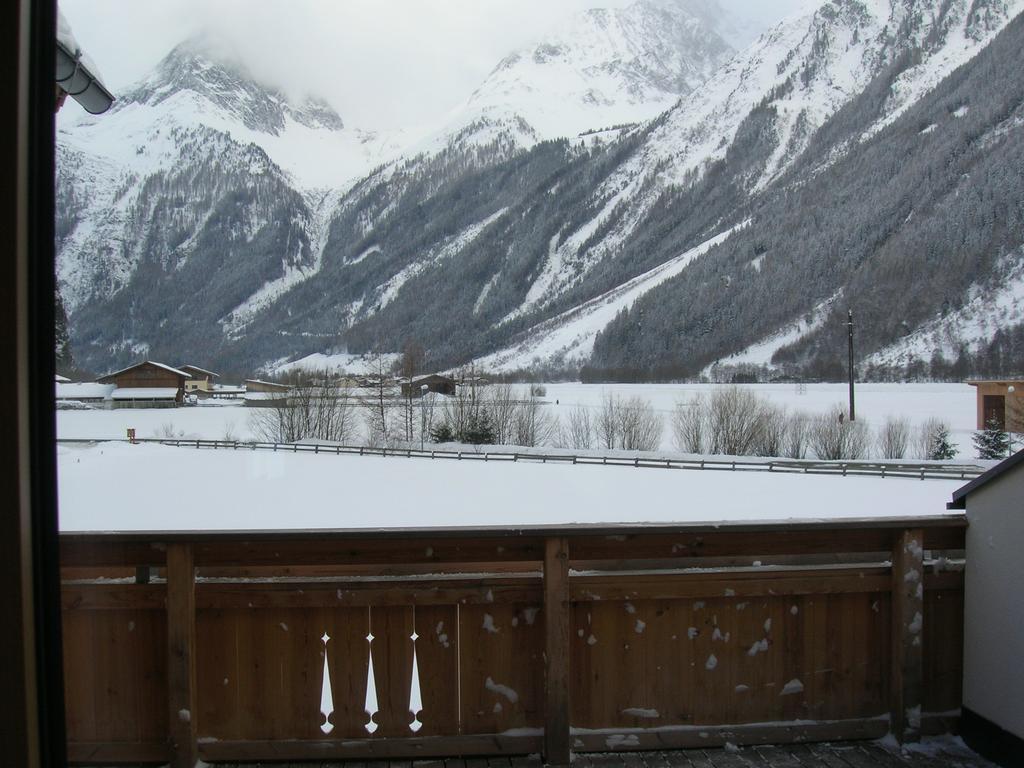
[
  {"x": 941, "y": 448},
  {"x": 442, "y": 433},
  {"x": 479, "y": 430},
  {"x": 993, "y": 442}
]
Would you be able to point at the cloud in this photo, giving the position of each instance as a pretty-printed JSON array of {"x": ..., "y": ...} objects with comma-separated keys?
[{"x": 381, "y": 63}]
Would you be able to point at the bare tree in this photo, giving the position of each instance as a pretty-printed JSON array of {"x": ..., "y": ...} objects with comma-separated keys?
[
  {"x": 578, "y": 429},
  {"x": 640, "y": 426},
  {"x": 689, "y": 425},
  {"x": 316, "y": 410},
  {"x": 607, "y": 426},
  {"x": 833, "y": 436},
  {"x": 797, "y": 436},
  {"x": 408, "y": 367},
  {"x": 771, "y": 435},
  {"x": 735, "y": 421},
  {"x": 535, "y": 424},
  {"x": 893, "y": 438},
  {"x": 377, "y": 407},
  {"x": 502, "y": 401}
]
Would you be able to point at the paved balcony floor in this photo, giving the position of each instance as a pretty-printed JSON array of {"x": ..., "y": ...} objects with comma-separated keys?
[{"x": 934, "y": 753}]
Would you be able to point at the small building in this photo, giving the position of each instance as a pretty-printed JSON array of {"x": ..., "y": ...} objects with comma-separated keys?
[
  {"x": 265, "y": 394},
  {"x": 993, "y": 678},
  {"x": 84, "y": 392},
  {"x": 441, "y": 385},
  {"x": 1002, "y": 400},
  {"x": 147, "y": 385},
  {"x": 201, "y": 383}
]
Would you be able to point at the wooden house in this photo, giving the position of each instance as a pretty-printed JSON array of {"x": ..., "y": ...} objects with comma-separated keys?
[
  {"x": 147, "y": 385},
  {"x": 441, "y": 385},
  {"x": 1001, "y": 400},
  {"x": 202, "y": 381},
  {"x": 264, "y": 394}
]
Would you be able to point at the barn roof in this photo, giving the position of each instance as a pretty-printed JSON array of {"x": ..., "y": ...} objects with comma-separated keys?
[
  {"x": 146, "y": 362},
  {"x": 197, "y": 369},
  {"x": 960, "y": 496}
]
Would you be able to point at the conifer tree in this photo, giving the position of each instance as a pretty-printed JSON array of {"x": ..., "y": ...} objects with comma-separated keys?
[
  {"x": 941, "y": 448},
  {"x": 992, "y": 442}
]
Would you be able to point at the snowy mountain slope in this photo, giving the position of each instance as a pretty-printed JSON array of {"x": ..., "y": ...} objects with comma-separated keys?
[
  {"x": 988, "y": 309},
  {"x": 568, "y": 339},
  {"x": 903, "y": 223},
  {"x": 773, "y": 96},
  {"x": 503, "y": 244},
  {"x": 194, "y": 87},
  {"x": 601, "y": 68}
]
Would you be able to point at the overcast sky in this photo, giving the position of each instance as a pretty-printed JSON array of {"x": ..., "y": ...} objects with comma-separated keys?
[{"x": 381, "y": 63}]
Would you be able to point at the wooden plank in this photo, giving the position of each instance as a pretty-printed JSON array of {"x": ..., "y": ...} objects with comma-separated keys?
[
  {"x": 80, "y": 675},
  {"x": 501, "y": 667},
  {"x": 343, "y": 594},
  {"x": 181, "y": 655},
  {"x": 438, "y": 545},
  {"x": 557, "y": 621},
  {"x": 115, "y": 597},
  {"x": 907, "y": 629},
  {"x": 707, "y": 736},
  {"x": 942, "y": 650},
  {"x": 437, "y": 655},
  {"x": 771, "y": 540},
  {"x": 330, "y": 550},
  {"x": 118, "y": 752},
  {"x": 392, "y": 628},
  {"x": 735, "y": 584},
  {"x": 362, "y": 749}
]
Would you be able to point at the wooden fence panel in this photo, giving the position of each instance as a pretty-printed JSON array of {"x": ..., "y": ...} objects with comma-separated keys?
[
  {"x": 675, "y": 657},
  {"x": 502, "y": 667},
  {"x": 943, "y": 650},
  {"x": 651, "y": 663},
  {"x": 437, "y": 652},
  {"x": 115, "y": 676}
]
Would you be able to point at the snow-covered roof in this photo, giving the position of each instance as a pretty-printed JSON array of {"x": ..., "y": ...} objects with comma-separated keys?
[
  {"x": 83, "y": 391},
  {"x": 197, "y": 369},
  {"x": 249, "y": 490},
  {"x": 61, "y": 379},
  {"x": 960, "y": 497},
  {"x": 77, "y": 73},
  {"x": 266, "y": 395},
  {"x": 145, "y": 393},
  {"x": 147, "y": 362}
]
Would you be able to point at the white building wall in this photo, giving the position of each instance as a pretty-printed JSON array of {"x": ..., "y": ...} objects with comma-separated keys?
[{"x": 994, "y": 603}]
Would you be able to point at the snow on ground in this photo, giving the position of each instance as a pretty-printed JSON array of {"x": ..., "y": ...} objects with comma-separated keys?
[
  {"x": 259, "y": 490},
  {"x": 954, "y": 403}
]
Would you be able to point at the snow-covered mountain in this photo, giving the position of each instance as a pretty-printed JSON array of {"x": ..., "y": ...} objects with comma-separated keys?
[
  {"x": 601, "y": 68},
  {"x": 522, "y": 231},
  {"x": 195, "y": 86}
]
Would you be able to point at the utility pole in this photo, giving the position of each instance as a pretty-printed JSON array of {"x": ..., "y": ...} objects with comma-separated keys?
[{"x": 849, "y": 325}]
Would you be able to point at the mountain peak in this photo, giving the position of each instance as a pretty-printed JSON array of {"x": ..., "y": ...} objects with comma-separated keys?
[
  {"x": 607, "y": 67},
  {"x": 207, "y": 67}
]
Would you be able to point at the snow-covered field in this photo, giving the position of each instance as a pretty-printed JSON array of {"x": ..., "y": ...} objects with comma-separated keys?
[
  {"x": 954, "y": 403},
  {"x": 260, "y": 490}
]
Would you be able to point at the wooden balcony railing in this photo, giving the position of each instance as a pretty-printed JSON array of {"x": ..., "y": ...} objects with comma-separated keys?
[{"x": 362, "y": 644}]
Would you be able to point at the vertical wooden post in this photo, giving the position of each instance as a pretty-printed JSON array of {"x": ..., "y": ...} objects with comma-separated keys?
[
  {"x": 181, "y": 655},
  {"x": 556, "y": 651},
  {"x": 907, "y": 631}
]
